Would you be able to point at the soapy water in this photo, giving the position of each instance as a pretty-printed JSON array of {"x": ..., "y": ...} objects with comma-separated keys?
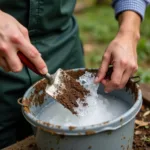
[{"x": 99, "y": 108}]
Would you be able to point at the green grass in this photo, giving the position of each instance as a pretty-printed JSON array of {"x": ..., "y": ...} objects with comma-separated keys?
[
  {"x": 98, "y": 27},
  {"x": 97, "y": 24}
]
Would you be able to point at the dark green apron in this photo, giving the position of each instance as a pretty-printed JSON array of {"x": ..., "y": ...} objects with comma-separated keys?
[{"x": 53, "y": 30}]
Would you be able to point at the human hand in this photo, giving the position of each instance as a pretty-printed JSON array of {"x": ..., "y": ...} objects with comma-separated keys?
[
  {"x": 121, "y": 53},
  {"x": 13, "y": 38}
]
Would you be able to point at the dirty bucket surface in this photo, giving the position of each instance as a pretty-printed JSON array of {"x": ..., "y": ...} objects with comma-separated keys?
[{"x": 95, "y": 109}]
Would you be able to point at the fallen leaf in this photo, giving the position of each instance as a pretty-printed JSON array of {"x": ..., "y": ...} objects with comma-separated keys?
[
  {"x": 146, "y": 127},
  {"x": 146, "y": 113},
  {"x": 138, "y": 132},
  {"x": 141, "y": 123},
  {"x": 147, "y": 139}
]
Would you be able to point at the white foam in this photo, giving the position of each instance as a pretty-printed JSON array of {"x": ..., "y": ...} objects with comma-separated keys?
[{"x": 99, "y": 109}]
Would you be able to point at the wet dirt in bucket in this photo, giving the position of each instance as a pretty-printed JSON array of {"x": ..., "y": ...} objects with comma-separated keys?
[{"x": 69, "y": 96}]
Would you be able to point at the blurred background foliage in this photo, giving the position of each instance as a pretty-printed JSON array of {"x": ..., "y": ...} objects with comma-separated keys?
[{"x": 98, "y": 27}]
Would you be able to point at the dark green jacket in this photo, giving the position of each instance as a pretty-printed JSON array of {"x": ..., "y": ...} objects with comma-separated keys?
[{"x": 54, "y": 32}]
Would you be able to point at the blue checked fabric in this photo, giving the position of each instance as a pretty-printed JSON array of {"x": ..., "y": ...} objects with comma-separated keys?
[{"x": 138, "y": 6}]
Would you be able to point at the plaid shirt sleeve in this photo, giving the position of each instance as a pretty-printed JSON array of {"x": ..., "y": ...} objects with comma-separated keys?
[{"x": 138, "y": 6}]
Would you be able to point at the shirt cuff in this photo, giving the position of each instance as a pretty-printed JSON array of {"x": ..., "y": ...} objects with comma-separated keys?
[{"x": 138, "y": 6}]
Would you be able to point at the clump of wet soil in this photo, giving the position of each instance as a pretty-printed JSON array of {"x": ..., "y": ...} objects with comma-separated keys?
[{"x": 72, "y": 92}]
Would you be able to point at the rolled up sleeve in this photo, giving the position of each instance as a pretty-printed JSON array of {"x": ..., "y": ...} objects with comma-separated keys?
[{"x": 138, "y": 6}]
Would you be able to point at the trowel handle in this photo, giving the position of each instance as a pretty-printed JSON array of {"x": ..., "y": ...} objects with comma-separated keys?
[{"x": 28, "y": 63}]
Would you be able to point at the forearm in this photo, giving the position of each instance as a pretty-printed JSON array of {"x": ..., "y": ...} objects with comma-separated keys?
[
  {"x": 129, "y": 24},
  {"x": 121, "y": 52}
]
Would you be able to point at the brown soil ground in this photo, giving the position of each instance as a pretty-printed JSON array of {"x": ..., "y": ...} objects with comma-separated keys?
[{"x": 142, "y": 134}]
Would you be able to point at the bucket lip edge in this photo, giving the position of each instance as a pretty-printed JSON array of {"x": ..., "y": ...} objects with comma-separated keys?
[{"x": 103, "y": 126}]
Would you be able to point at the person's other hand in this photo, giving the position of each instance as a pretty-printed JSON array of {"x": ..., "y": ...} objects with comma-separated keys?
[
  {"x": 121, "y": 53},
  {"x": 13, "y": 38}
]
